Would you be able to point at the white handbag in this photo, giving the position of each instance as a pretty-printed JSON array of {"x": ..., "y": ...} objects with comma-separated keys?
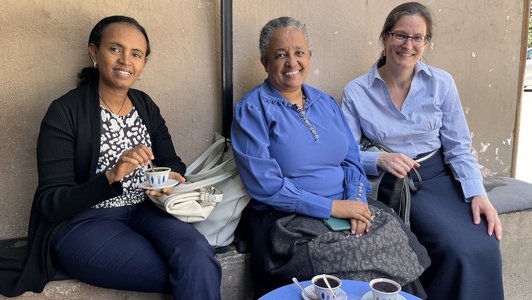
[{"x": 213, "y": 196}]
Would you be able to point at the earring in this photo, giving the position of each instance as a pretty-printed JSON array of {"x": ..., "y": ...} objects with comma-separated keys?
[
  {"x": 139, "y": 77},
  {"x": 94, "y": 64}
]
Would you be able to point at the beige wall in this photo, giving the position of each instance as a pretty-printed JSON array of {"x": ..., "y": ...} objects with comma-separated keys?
[{"x": 43, "y": 46}]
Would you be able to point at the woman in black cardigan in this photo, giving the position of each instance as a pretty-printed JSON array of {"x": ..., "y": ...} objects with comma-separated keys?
[{"x": 89, "y": 219}]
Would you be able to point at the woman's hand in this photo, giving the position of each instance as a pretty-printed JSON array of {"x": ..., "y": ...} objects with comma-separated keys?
[
  {"x": 357, "y": 212},
  {"x": 166, "y": 191},
  {"x": 396, "y": 164},
  {"x": 481, "y": 205},
  {"x": 130, "y": 160}
]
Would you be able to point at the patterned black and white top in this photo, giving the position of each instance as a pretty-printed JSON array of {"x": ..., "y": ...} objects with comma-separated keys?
[{"x": 120, "y": 133}]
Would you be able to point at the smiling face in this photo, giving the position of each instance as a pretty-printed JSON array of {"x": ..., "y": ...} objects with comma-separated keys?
[
  {"x": 405, "y": 54},
  {"x": 121, "y": 56},
  {"x": 287, "y": 60}
]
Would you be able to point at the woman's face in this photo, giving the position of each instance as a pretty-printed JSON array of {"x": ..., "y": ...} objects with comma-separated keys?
[
  {"x": 287, "y": 59},
  {"x": 406, "y": 53},
  {"x": 121, "y": 56}
]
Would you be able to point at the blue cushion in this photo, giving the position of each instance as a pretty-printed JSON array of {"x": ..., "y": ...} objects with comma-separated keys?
[{"x": 508, "y": 194}]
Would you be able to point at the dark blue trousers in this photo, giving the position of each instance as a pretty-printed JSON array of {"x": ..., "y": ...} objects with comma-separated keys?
[
  {"x": 466, "y": 261},
  {"x": 138, "y": 248}
]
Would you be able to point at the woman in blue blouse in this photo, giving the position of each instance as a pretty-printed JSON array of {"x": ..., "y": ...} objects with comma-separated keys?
[
  {"x": 293, "y": 147},
  {"x": 414, "y": 108}
]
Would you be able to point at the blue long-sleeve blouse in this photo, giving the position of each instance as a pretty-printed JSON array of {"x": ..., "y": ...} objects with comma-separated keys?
[
  {"x": 296, "y": 160},
  {"x": 430, "y": 118}
]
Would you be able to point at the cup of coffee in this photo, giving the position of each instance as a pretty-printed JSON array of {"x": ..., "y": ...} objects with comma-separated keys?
[
  {"x": 157, "y": 176},
  {"x": 321, "y": 289},
  {"x": 384, "y": 289}
]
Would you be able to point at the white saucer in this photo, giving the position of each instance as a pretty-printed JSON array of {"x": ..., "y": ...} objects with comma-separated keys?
[
  {"x": 146, "y": 186},
  {"x": 310, "y": 290},
  {"x": 369, "y": 296}
]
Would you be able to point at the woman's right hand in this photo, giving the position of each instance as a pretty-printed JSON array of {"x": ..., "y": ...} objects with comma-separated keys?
[
  {"x": 356, "y": 211},
  {"x": 128, "y": 162},
  {"x": 396, "y": 164}
]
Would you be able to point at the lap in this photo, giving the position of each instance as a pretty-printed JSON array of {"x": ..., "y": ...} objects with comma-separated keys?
[
  {"x": 126, "y": 248},
  {"x": 440, "y": 216},
  {"x": 166, "y": 232}
]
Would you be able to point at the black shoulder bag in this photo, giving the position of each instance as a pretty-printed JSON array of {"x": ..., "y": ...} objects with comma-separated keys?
[{"x": 390, "y": 190}]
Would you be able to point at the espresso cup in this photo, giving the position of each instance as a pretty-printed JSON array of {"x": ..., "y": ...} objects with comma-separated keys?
[
  {"x": 157, "y": 176},
  {"x": 384, "y": 289},
  {"x": 321, "y": 289}
]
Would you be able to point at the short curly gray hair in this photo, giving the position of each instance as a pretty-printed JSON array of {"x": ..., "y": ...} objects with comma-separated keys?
[{"x": 281, "y": 22}]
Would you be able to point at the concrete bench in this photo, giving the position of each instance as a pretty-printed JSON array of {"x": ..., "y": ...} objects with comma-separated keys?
[
  {"x": 236, "y": 285},
  {"x": 512, "y": 198}
]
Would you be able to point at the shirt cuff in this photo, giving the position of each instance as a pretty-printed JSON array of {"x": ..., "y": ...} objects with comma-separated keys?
[
  {"x": 314, "y": 206},
  {"x": 369, "y": 162},
  {"x": 472, "y": 187}
]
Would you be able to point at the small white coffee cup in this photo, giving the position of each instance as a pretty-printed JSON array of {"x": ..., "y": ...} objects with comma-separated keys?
[
  {"x": 157, "y": 176},
  {"x": 384, "y": 289},
  {"x": 321, "y": 289}
]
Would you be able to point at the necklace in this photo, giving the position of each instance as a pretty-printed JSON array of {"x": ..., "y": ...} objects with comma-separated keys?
[{"x": 109, "y": 107}]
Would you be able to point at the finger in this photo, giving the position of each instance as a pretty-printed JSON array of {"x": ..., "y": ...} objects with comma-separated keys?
[
  {"x": 491, "y": 224},
  {"x": 167, "y": 191},
  {"x": 148, "y": 151},
  {"x": 476, "y": 214},
  {"x": 396, "y": 174},
  {"x": 405, "y": 166},
  {"x": 361, "y": 228},
  {"x": 498, "y": 229},
  {"x": 364, "y": 216},
  {"x": 180, "y": 178},
  {"x": 142, "y": 154},
  {"x": 353, "y": 226}
]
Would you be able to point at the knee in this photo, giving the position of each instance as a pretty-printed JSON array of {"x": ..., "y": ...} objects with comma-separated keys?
[
  {"x": 483, "y": 253},
  {"x": 194, "y": 250}
]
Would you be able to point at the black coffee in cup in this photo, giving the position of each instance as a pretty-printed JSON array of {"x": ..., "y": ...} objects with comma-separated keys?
[
  {"x": 384, "y": 286},
  {"x": 321, "y": 283}
]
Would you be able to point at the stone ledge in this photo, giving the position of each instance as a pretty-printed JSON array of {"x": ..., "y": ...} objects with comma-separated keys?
[
  {"x": 516, "y": 248},
  {"x": 236, "y": 285}
]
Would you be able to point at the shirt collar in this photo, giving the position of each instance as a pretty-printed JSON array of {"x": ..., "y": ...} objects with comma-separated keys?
[
  {"x": 271, "y": 94},
  {"x": 419, "y": 67}
]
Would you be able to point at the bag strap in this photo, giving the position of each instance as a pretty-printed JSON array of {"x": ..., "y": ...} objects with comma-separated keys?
[
  {"x": 366, "y": 145},
  {"x": 203, "y": 196},
  {"x": 206, "y": 156},
  {"x": 409, "y": 184},
  {"x": 205, "y": 183}
]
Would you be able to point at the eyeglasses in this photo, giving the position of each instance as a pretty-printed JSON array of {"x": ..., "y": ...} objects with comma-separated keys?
[{"x": 417, "y": 39}]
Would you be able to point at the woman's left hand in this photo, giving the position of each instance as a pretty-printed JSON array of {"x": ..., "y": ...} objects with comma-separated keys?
[
  {"x": 358, "y": 228},
  {"x": 481, "y": 205},
  {"x": 166, "y": 191}
]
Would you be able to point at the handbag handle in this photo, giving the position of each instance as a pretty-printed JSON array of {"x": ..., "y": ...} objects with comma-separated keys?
[
  {"x": 205, "y": 183},
  {"x": 204, "y": 156}
]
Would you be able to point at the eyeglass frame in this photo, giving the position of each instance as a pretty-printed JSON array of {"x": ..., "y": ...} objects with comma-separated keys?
[{"x": 426, "y": 38}]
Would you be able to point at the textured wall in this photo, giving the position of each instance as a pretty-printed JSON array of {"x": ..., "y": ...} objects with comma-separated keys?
[
  {"x": 477, "y": 41},
  {"x": 43, "y": 46}
]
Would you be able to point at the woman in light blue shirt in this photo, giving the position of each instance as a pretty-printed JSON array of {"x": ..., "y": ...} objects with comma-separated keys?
[{"x": 414, "y": 108}]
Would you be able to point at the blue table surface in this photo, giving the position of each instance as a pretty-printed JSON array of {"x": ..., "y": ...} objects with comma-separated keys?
[{"x": 354, "y": 290}]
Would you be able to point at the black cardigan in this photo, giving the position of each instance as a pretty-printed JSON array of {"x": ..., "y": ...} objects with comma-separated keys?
[{"x": 67, "y": 154}]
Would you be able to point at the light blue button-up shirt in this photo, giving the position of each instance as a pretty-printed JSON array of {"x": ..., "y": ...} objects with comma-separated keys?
[
  {"x": 430, "y": 118},
  {"x": 296, "y": 160}
]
